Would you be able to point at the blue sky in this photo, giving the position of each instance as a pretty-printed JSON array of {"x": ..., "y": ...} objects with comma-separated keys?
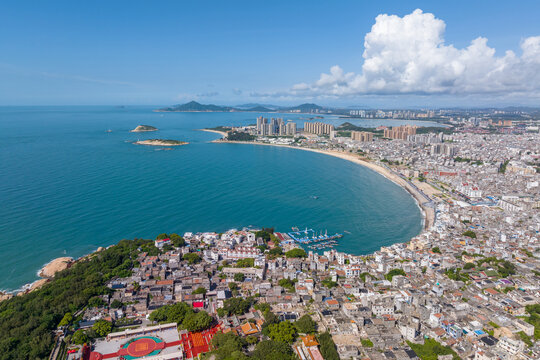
[{"x": 232, "y": 52}]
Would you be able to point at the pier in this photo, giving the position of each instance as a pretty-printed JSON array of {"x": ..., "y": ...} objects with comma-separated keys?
[{"x": 309, "y": 236}]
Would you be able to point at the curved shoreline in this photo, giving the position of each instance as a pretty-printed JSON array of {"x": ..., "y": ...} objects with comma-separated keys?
[
  {"x": 428, "y": 213},
  {"x": 222, "y": 133}
]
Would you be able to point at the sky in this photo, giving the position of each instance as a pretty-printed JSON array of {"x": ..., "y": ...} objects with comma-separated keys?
[{"x": 383, "y": 54}]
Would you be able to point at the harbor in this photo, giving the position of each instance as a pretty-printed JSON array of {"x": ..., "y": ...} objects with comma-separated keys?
[{"x": 319, "y": 240}]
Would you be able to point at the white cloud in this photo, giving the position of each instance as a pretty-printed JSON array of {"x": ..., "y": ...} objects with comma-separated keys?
[{"x": 408, "y": 55}]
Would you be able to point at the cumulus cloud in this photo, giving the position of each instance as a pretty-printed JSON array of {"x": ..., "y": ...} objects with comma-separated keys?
[{"x": 408, "y": 55}]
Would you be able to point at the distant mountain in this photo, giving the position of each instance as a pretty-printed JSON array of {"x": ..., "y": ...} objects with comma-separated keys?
[
  {"x": 194, "y": 106},
  {"x": 306, "y": 108},
  {"x": 257, "y": 105},
  {"x": 257, "y": 109}
]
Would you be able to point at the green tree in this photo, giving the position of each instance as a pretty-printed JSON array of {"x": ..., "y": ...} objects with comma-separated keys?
[
  {"x": 66, "y": 320},
  {"x": 162, "y": 236},
  {"x": 102, "y": 328},
  {"x": 436, "y": 250},
  {"x": 275, "y": 252},
  {"x": 366, "y": 343},
  {"x": 239, "y": 277},
  {"x": 197, "y": 321},
  {"x": 79, "y": 337},
  {"x": 328, "y": 347},
  {"x": 296, "y": 253},
  {"x": 233, "y": 286},
  {"x": 192, "y": 258},
  {"x": 393, "y": 273},
  {"x": 470, "y": 234},
  {"x": 177, "y": 240},
  {"x": 245, "y": 263},
  {"x": 468, "y": 266},
  {"x": 273, "y": 350},
  {"x": 284, "y": 332},
  {"x": 227, "y": 344},
  {"x": 96, "y": 301},
  {"x": 116, "y": 304},
  {"x": 237, "y": 306},
  {"x": 329, "y": 283},
  {"x": 431, "y": 350},
  {"x": 306, "y": 325},
  {"x": 287, "y": 284},
  {"x": 200, "y": 290}
]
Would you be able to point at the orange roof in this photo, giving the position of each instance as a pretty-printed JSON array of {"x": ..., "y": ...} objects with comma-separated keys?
[
  {"x": 492, "y": 291},
  {"x": 249, "y": 328},
  {"x": 332, "y": 302},
  {"x": 309, "y": 340}
]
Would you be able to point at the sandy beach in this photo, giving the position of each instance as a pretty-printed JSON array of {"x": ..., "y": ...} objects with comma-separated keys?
[
  {"x": 156, "y": 142},
  {"x": 428, "y": 213},
  {"x": 54, "y": 266},
  {"x": 222, "y": 133}
]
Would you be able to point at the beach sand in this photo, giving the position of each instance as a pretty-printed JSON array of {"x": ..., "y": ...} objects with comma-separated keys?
[
  {"x": 427, "y": 212},
  {"x": 54, "y": 266},
  {"x": 158, "y": 143},
  {"x": 222, "y": 133}
]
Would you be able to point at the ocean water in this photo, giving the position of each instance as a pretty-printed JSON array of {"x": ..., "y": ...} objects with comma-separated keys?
[{"x": 67, "y": 186}]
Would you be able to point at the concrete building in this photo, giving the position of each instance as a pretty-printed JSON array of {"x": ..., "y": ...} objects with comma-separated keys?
[
  {"x": 363, "y": 136},
  {"x": 318, "y": 128}
]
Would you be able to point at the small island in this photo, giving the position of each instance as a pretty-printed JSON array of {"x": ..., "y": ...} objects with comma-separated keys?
[
  {"x": 144, "y": 128},
  {"x": 161, "y": 142}
]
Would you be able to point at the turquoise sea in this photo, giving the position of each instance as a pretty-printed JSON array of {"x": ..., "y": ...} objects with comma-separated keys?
[{"x": 68, "y": 186}]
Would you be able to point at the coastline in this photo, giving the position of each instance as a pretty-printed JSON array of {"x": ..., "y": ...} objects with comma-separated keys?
[
  {"x": 153, "y": 142},
  {"x": 222, "y": 133},
  {"x": 428, "y": 213}
]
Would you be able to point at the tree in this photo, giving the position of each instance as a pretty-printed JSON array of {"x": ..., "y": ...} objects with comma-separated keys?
[
  {"x": 245, "y": 263},
  {"x": 239, "y": 277},
  {"x": 262, "y": 307},
  {"x": 227, "y": 344},
  {"x": 328, "y": 347},
  {"x": 96, "y": 301},
  {"x": 436, "y": 250},
  {"x": 393, "y": 273},
  {"x": 66, "y": 320},
  {"x": 366, "y": 343},
  {"x": 237, "y": 306},
  {"x": 470, "y": 234},
  {"x": 162, "y": 236},
  {"x": 192, "y": 258},
  {"x": 273, "y": 350},
  {"x": 200, "y": 290},
  {"x": 79, "y": 337},
  {"x": 102, "y": 328},
  {"x": 329, "y": 283},
  {"x": 287, "y": 284},
  {"x": 177, "y": 240},
  {"x": 468, "y": 266},
  {"x": 197, "y": 321},
  {"x": 284, "y": 332},
  {"x": 171, "y": 313},
  {"x": 306, "y": 325},
  {"x": 296, "y": 253},
  {"x": 233, "y": 286},
  {"x": 116, "y": 304},
  {"x": 275, "y": 252}
]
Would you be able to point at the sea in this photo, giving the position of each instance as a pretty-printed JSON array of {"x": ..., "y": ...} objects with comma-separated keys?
[{"x": 71, "y": 180}]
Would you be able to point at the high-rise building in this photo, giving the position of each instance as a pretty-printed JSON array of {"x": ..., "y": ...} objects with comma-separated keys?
[
  {"x": 318, "y": 128},
  {"x": 291, "y": 128},
  {"x": 361, "y": 136},
  {"x": 261, "y": 126},
  {"x": 400, "y": 132}
]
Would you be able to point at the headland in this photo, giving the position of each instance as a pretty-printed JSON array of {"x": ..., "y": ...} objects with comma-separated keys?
[{"x": 160, "y": 142}]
